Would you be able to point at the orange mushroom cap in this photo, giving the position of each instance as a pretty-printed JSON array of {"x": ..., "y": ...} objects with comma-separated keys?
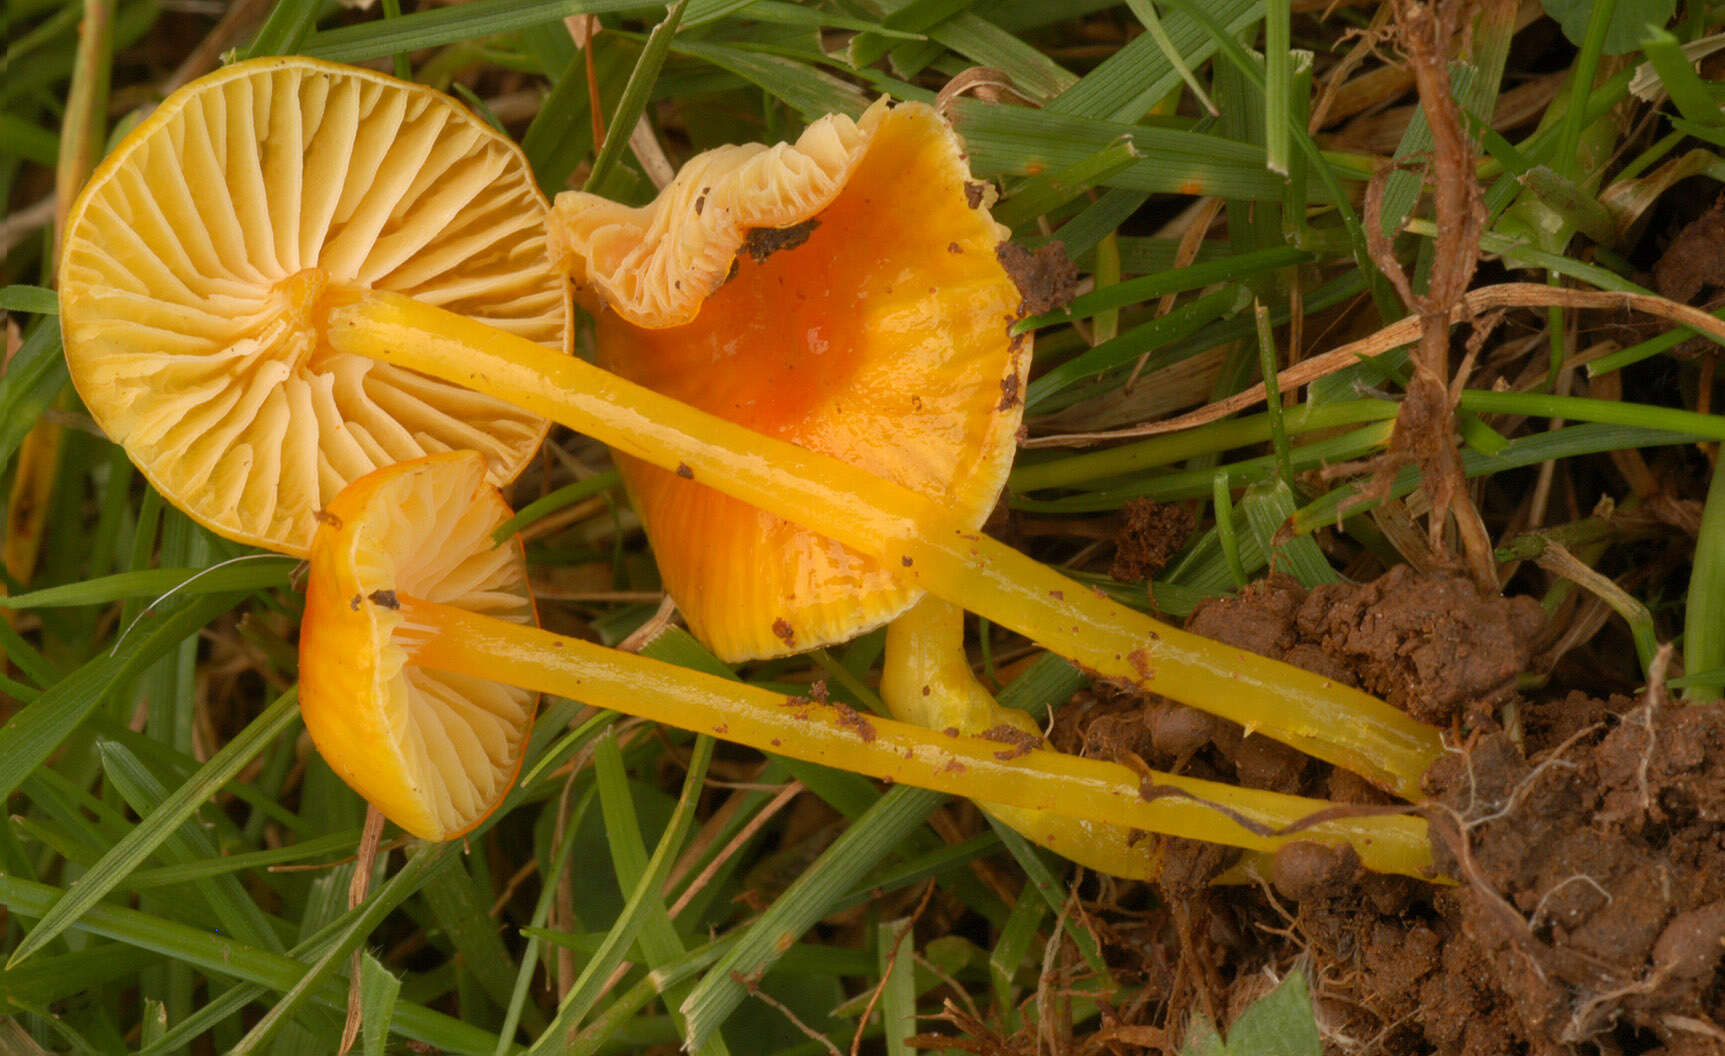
[
  {"x": 433, "y": 750},
  {"x": 841, "y": 293},
  {"x": 197, "y": 256}
]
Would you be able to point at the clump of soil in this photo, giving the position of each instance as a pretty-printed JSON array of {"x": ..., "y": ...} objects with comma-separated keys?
[
  {"x": 1593, "y": 872},
  {"x": 1150, "y": 534},
  {"x": 1587, "y": 837},
  {"x": 1693, "y": 260},
  {"x": 1428, "y": 644}
]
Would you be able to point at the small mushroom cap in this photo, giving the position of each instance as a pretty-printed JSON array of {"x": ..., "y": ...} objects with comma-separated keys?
[
  {"x": 842, "y": 293},
  {"x": 434, "y": 751},
  {"x": 197, "y": 258}
]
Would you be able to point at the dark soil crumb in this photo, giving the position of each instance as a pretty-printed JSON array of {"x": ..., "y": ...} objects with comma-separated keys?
[
  {"x": 1308, "y": 870},
  {"x": 1046, "y": 279},
  {"x": 1695, "y": 259},
  {"x": 850, "y": 718},
  {"x": 1591, "y": 913},
  {"x": 762, "y": 242},
  {"x": 1593, "y": 872},
  {"x": 1022, "y": 743},
  {"x": 1150, "y": 533},
  {"x": 1427, "y": 644}
]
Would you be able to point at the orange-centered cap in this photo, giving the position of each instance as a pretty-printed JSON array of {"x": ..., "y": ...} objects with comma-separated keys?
[
  {"x": 434, "y": 751},
  {"x": 841, "y": 293},
  {"x": 199, "y": 257}
]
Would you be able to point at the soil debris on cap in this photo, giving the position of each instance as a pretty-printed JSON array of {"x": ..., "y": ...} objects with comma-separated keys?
[
  {"x": 1046, "y": 279},
  {"x": 762, "y": 242},
  {"x": 1150, "y": 533}
]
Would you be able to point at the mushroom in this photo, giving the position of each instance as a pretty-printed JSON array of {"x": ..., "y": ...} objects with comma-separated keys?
[
  {"x": 844, "y": 292},
  {"x": 417, "y": 629},
  {"x": 197, "y": 256},
  {"x": 916, "y": 379},
  {"x": 153, "y": 278},
  {"x": 843, "y": 295}
]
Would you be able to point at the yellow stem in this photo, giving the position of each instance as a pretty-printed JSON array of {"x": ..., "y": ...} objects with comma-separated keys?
[
  {"x": 926, "y": 680},
  {"x": 452, "y": 639},
  {"x": 1330, "y": 721}
]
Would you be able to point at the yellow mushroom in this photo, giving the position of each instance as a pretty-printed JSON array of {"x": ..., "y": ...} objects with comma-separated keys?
[
  {"x": 417, "y": 630},
  {"x": 197, "y": 256},
  {"x": 842, "y": 295},
  {"x": 245, "y": 303}
]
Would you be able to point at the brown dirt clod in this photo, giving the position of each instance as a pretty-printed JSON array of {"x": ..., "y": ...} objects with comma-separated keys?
[
  {"x": 1150, "y": 533},
  {"x": 1587, "y": 837}
]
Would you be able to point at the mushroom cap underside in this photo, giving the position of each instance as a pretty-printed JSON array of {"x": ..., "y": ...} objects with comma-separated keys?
[
  {"x": 859, "y": 310},
  {"x": 197, "y": 258},
  {"x": 433, "y": 750}
]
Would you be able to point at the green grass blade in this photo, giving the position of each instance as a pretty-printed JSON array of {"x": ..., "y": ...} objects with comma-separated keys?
[
  {"x": 1008, "y": 140},
  {"x": 160, "y": 824},
  {"x": 235, "y": 907},
  {"x": 1173, "y": 280},
  {"x": 257, "y": 572},
  {"x": 34, "y": 375},
  {"x": 1704, "y": 631},
  {"x": 1125, "y": 85},
  {"x": 808, "y": 91},
  {"x": 421, "y": 865},
  {"x": 1587, "y": 439},
  {"x": 627, "y": 928},
  {"x": 634, "y": 98},
  {"x": 1180, "y": 323},
  {"x": 378, "y": 989},
  {"x": 32, "y": 300},
  {"x": 1267, "y": 507},
  {"x": 879, "y": 833},
  {"x": 32, "y": 734},
  {"x": 435, "y": 27},
  {"x": 287, "y": 27},
  {"x": 223, "y": 956}
]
